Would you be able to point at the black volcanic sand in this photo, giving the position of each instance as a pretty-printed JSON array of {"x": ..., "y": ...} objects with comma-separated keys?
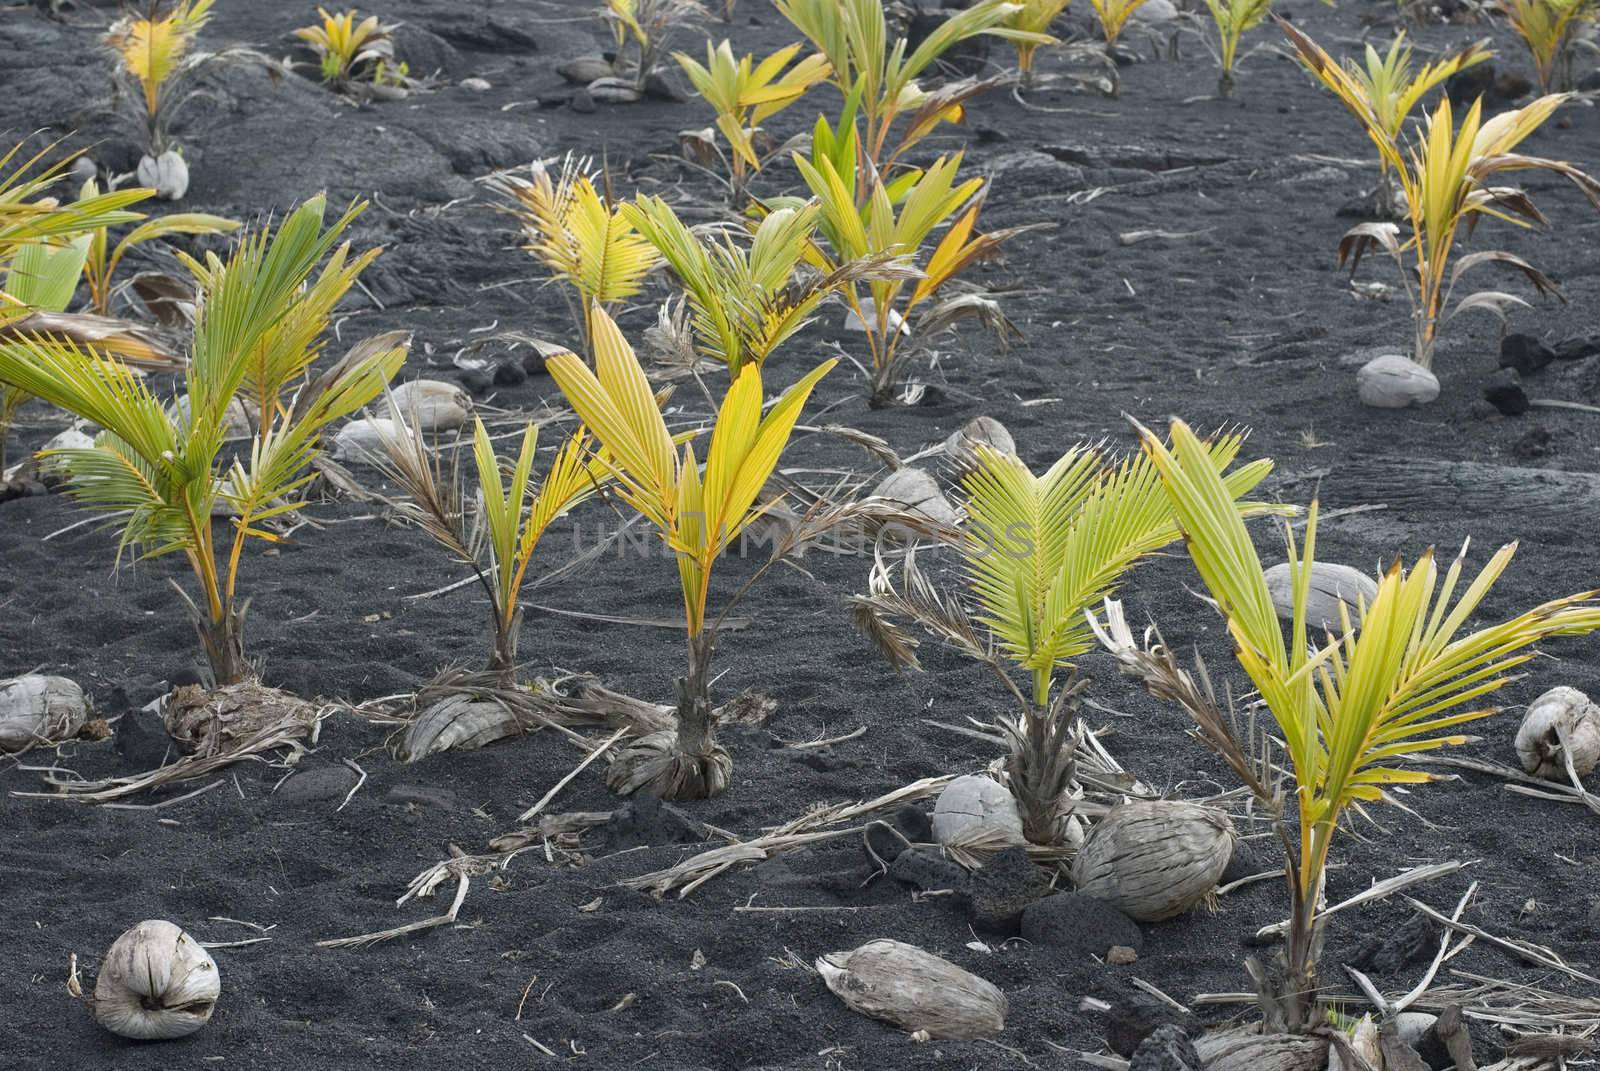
[{"x": 1244, "y": 320}]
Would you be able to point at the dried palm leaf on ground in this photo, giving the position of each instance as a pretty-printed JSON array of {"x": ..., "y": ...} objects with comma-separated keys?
[
  {"x": 1156, "y": 859},
  {"x": 462, "y": 710},
  {"x": 40, "y": 710},
  {"x": 1560, "y": 729},
  {"x": 821, "y": 824},
  {"x": 915, "y": 990},
  {"x": 155, "y": 983}
]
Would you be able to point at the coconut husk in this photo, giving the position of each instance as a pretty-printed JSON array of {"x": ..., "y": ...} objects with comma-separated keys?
[
  {"x": 40, "y": 710},
  {"x": 915, "y": 990},
  {"x": 211, "y": 721},
  {"x": 460, "y": 723},
  {"x": 155, "y": 983},
  {"x": 1331, "y": 585},
  {"x": 653, "y": 765},
  {"x": 430, "y": 405},
  {"x": 1246, "y": 1050},
  {"x": 1562, "y": 723},
  {"x": 1154, "y": 859},
  {"x": 961, "y": 447}
]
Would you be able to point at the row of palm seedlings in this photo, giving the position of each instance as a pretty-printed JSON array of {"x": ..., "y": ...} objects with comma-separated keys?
[{"x": 1038, "y": 555}]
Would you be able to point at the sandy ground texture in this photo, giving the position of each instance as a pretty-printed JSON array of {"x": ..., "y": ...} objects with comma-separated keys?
[{"x": 1234, "y": 313}]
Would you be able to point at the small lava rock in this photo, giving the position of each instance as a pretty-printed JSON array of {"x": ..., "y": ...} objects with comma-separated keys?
[
  {"x": 1080, "y": 925},
  {"x": 646, "y": 820},
  {"x": 925, "y": 869},
  {"x": 998, "y": 894},
  {"x": 1168, "y": 1048},
  {"x": 1577, "y": 349},
  {"x": 1536, "y": 443},
  {"x": 888, "y": 840},
  {"x": 1128, "y": 1022},
  {"x": 1504, "y": 391},
  {"x": 1413, "y": 941},
  {"x": 318, "y": 786},
  {"x": 509, "y": 374},
  {"x": 478, "y": 380},
  {"x": 1524, "y": 353}
]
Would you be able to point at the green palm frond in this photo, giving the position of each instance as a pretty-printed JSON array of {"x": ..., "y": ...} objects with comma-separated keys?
[{"x": 1042, "y": 550}]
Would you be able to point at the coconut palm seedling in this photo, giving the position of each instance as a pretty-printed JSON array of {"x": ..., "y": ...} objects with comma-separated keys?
[
  {"x": 1446, "y": 176},
  {"x": 1388, "y": 87},
  {"x": 1038, "y": 552},
  {"x": 1351, "y": 709},
  {"x": 352, "y": 51},
  {"x": 1034, "y": 18},
  {"x": 744, "y": 94},
  {"x": 866, "y": 216},
  {"x": 156, "y": 62},
  {"x": 1550, "y": 28},
  {"x": 580, "y": 235},
  {"x": 165, "y": 477},
  {"x": 746, "y": 302},
  {"x": 1113, "y": 16},
  {"x": 495, "y": 532},
  {"x": 697, "y": 513},
  {"x": 880, "y": 75},
  {"x": 1233, "y": 19},
  {"x": 102, "y": 258},
  {"x": 648, "y": 26}
]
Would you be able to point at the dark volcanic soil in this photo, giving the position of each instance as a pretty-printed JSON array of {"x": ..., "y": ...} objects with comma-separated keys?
[{"x": 1241, "y": 319}]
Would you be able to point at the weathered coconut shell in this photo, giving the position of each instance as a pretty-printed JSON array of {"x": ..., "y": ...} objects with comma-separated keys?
[
  {"x": 915, "y": 990},
  {"x": 962, "y": 445},
  {"x": 1154, "y": 859},
  {"x": 237, "y": 424},
  {"x": 37, "y": 709},
  {"x": 360, "y": 440},
  {"x": 456, "y": 723},
  {"x": 1244, "y": 1050},
  {"x": 973, "y": 803},
  {"x": 614, "y": 91},
  {"x": 1331, "y": 584},
  {"x": 432, "y": 403},
  {"x": 167, "y": 174},
  {"x": 586, "y": 69},
  {"x": 1395, "y": 382},
  {"x": 918, "y": 492},
  {"x": 156, "y": 982},
  {"x": 70, "y": 439},
  {"x": 1558, "y": 712}
]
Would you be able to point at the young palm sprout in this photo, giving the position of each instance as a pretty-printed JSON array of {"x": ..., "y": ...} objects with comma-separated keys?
[
  {"x": 1550, "y": 28},
  {"x": 1445, "y": 176},
  {"x": 747, "y": 302},
  {"x": 578, "y": 234},
  {"x": 698, "y": 515},
  {"x": 1388, "y": 87},
  {"x": 350, "y": 51},
  {"x": 1035, "y": 18},
  {"x": 1233, "y": 18},
  {"x": 865, "y": 217},
  {"x": 744, "y": 94},
  {"x": 155, "y": 52},
  {"x": 1349, "y": 709},
  {"x": 1039, "y": 551},
  {"x": 1113, "y": 16},
  {"x": 497, "y": 534},
  {"x": 879, "y": 75},
  {"x": 166, "y": 476}
]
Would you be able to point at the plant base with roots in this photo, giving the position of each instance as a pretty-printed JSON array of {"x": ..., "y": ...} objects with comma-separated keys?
[{"x": 657, "y": 766}]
